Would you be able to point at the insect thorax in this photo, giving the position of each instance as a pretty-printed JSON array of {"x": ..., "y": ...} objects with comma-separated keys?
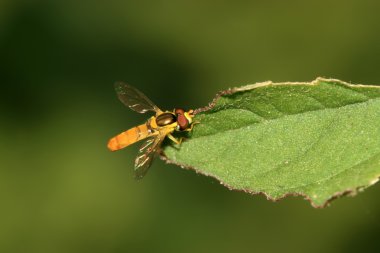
[{"x": 165, "y": 119}]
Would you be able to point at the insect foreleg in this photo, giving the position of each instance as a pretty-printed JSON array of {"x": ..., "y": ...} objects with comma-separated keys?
[
  {"x": 176, "y": 141},
  {"x": 192, "y": 125}
]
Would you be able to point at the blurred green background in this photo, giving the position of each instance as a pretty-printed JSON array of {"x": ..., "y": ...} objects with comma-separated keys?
[{"x": 63, "y": 191}]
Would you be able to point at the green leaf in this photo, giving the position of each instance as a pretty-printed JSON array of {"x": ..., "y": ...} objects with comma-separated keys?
[{"x": 319, "y": 140}]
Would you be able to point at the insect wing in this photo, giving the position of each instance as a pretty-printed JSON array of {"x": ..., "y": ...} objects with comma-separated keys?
[
  {"x": 134, "y": 99},
  {"x": 146, "y": 155}
]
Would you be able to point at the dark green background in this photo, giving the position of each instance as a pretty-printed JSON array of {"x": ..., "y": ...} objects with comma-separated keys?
[{"x": 61, "y": 190}]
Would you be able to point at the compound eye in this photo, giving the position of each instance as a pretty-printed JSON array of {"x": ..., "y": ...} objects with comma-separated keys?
[
  {"x": 182, "y": 122},
  {"x": 179, "y": 111}
]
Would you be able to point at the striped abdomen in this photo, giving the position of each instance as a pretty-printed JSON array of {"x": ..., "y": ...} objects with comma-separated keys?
[{"x": 129, "y": 137}]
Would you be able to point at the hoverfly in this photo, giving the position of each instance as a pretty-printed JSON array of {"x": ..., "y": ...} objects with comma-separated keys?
[{"x": 155, "y": 129}]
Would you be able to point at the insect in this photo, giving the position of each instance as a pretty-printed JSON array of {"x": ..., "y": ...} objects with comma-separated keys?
[{"x": 155, "y": 129}]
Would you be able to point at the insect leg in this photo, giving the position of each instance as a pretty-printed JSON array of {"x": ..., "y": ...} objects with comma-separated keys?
[
  {"x": 192, "y": 125},
  {"x": 171, "y": 137}
]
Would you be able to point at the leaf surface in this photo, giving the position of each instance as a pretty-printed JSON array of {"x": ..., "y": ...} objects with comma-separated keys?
[{"x": 319, "y": 139}]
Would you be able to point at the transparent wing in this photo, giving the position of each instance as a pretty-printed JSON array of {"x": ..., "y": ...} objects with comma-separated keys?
[
  {"x": 134, "y": 99},
  {"x": 146, "y": 154}
]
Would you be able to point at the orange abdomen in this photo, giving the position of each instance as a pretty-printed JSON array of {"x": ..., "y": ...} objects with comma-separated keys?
[{"x": 128, "y": 137}]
